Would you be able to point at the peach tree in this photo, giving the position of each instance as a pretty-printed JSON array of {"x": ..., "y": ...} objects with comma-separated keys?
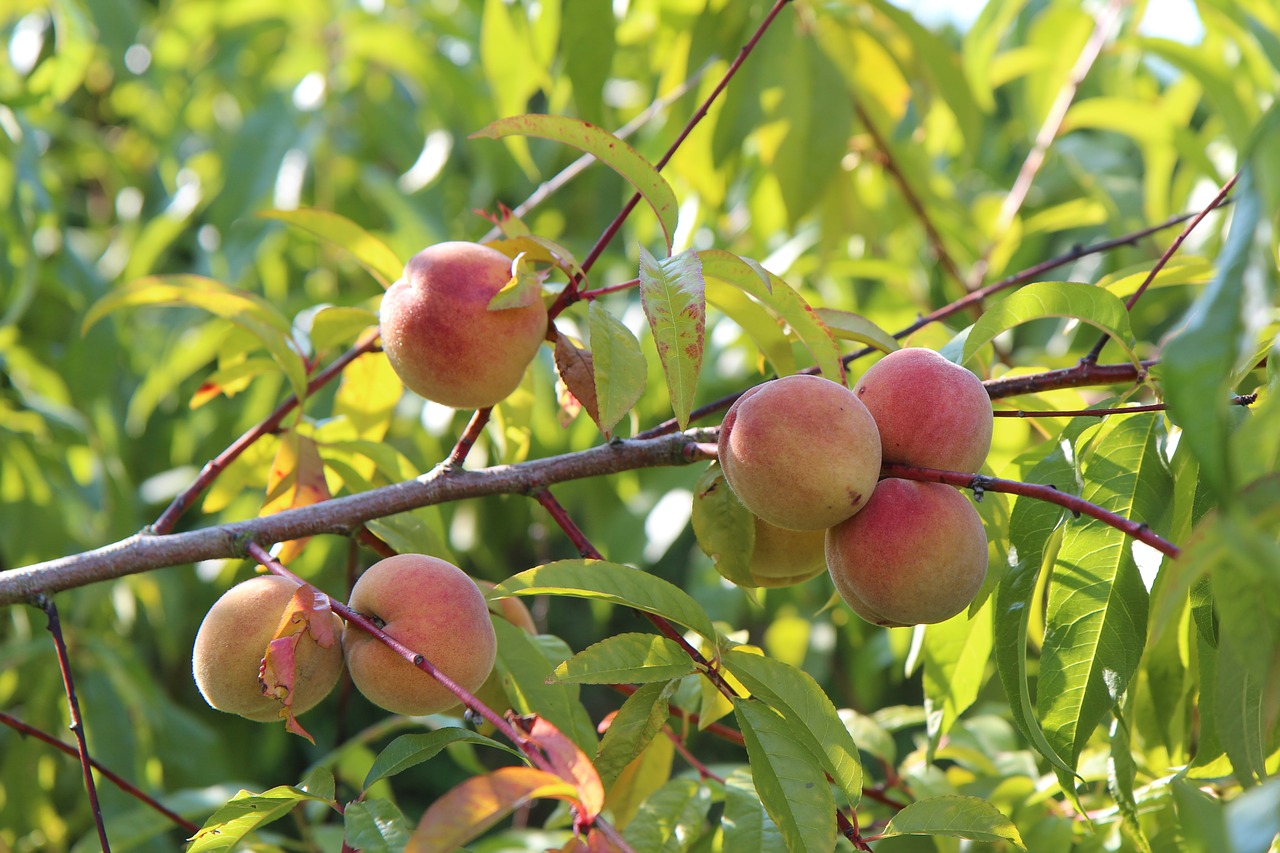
[{"x": 206, "y": 203}]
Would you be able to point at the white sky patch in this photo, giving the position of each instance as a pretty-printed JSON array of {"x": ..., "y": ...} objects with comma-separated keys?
[
  {"x": 665, "y": 522},
  {"x": 309, "y": 94},
  {"x": 430, "y": 163},
  {"x": 1171, "y": 19},
  {"x": 1148, "y": 560},
  {"x": 27, "y": 42},
  {"x": 137, "y": 58},
  {"x": 289, "y": 180}
]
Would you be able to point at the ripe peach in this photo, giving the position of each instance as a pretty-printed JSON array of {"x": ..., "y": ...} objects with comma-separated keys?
[
  {"x": 784, "y": 557},
  {"x": 800, "y": 452},
  {"x": 432, "y": 607},
  {"x": 441, "y": 337},
  {"x": 232, "y": 641},
  {"x": 915, "y": 554},
  {"x": 930, "y": 411}
]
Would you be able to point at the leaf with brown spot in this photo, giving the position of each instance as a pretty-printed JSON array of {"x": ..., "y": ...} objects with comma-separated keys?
[
  {"x": 673, "y": 294},
  {"x": 577, "y": 371}
]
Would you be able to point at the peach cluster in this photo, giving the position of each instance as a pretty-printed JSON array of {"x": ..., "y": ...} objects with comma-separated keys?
[{"x": 803, "y": 454}]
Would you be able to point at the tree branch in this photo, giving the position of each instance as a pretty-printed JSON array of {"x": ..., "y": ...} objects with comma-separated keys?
[{"x": 145, "y": 551}]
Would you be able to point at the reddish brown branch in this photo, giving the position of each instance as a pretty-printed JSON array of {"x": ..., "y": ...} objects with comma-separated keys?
[
  {"x": 211, "y": 470},
  {"x": 77, "y": 723},
  {"x": 469, "y": 437},
  {"x": 1240, "y": 400},
  {"x": 979, "y": 483},
  {"x": 1083, "y": 373},
  {"x": 115, "y": 778}
]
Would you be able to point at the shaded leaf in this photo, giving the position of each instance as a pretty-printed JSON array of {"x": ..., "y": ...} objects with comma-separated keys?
[
  {"x": 633, "y": 728},
  {"x": 621, "y": 371},
  {"x": 672, "y": 819},
  {"x": 848, "y": 326},
  {"x": 607, "y": 148},
  {"x": 633, "y": 658},
  {"x": 577, "y": 370},
  {"x": 524, "y": 664},
  {"x": 524, "y": 288},
  {"x": 411, "y": 750},
  {"x": 639, "y": 779},
  {"x": 747, "y": 826},
  {"x": 958, "y": 817},
  {"x": 480, "y": 802},
  {"x": 374, "y": 826},
  {"x": 725, "y": 529},
  {"x": 1085, "y": 302},
  {"x": 956, "y": 653},
  {"x": 672, "y": 292}
]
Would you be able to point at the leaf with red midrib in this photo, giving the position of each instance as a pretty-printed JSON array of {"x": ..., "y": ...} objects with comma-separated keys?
[{"x": 572, "y": 765}]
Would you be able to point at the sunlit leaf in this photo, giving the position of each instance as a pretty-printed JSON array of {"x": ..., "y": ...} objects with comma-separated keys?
[
  {"x": 244, "y": 813},
  {"x": 672, "y": 292},
  {"x": 958, "y": 817},
  {"x": 525, "y": 667},
  {"x": 627, "y": 658},
  {"x": 854, "y": 327},
  {"x": 374, "y": 825},
  {"x": 522, "y": 290},
  {"x": 478, "y": 803},
  {"x": 638, "y": 779},
  {"x": 370, "y": 252},
  {"x": 956, "y": 653},
  {"x": 296, "y": 479},
  {"x": 411, "y": 750},
  {"x": 672, "y": 819},
  {"x": 606, "y": 147}
]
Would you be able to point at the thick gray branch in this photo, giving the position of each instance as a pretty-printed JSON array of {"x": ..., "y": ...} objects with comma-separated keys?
[{"x": 145, "y": 551}]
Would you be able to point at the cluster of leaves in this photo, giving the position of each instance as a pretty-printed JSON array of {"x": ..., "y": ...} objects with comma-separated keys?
[{"x": 859, "y": 171}]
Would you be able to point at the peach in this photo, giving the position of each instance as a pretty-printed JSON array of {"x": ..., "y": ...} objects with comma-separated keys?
[
  {"x": 232, "y": 641},
  {"x": 784, "y": 557},
  {"x": 930, "y": 412},
  {"x": 442, "y": 339},
  {"x": 800, "y": 452},
  {"x": 435, "y": 609},
  {"x": 915, "y": 554}
]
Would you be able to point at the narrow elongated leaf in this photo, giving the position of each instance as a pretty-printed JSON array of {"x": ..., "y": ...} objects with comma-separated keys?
[
  {"x": 848, "y": 326},
  {"x": 620, "y": 367},
  {"x": 789, "y": 778},
  {"x": 638, "y": 780},
  {"x": 672, "y": 819},
  {"x": 673, "y": 294},
  {"x": 613, "y": 582},
  {"x": 1031, "y": 525},
  {"x": 1121, "y": 771},
  {"x": 1237, "y": 712},
  {"x": 370, "y": 252},
  {"x": 747, "y": 826},
  {"x": 411, "y": 750},
  {"x": 760, "y": 324},
  {"x": 958, "y": 817},
  {"x": 725, "y": 529},
  {"x": 525, "y": 669},
  {"x": 605, "y": 147},
  {"x": 636, "y": 658},
  {"x": 375, "y": 826},
  {"x": 1083, "y": 302},
  {"x": 1097, "y": 612},
  {"x": 768, "y": 289},
  {"x": 809, "y": 714},
  {"x": 247, "y": 310},
  {"x": 634, "y": 726},
  {"x": 478, "y": 803},
  {"x": 244, "y": 813},
  {"x": 955, "y": 658}
]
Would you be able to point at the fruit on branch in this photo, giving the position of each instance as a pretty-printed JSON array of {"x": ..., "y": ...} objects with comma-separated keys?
[
  {"x": 915, "y": 554},
  {"x": 784, "y": 557},
  {"x": 436, "y": 610},
  {"x": 930, "y": 412},
  {"x": 440, "y": 335},
  {"x": 232, "y": 642},
  {"x": 800, "y": 452}
]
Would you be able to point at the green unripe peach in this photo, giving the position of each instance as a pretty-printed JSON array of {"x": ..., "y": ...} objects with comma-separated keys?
[
  {"x": 800, "y": 452},
  {"x": 441, "y": 337},
  {"x": 435, "y": 609},
  {"x": 784, "y": 557},
  {"x": 915, "y": 554},
  {"x": 930, "y": 412},
  {"x": 232, "y": 641}
]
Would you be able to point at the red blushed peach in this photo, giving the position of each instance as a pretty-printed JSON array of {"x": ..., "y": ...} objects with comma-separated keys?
[
  {"x": 800, "y": 452},
  {"x": 915, "y": 554},
  {"x": 930, "y": 412},
  {"x": 435, "y": 609},
  {"x": 441, "y": 337}
]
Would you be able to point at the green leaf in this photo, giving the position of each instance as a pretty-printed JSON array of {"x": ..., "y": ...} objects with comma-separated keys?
[
  {"x": 375, "y": 826},
  {"x": 760, "y": 325},
  {"x": 673, "y": 294},
  {"x": 848, "y": 326},
  {"x": 1121, "y": 770},
  {"x": 613, "y": 582},
  {"x": 1237, "y": 712},
  {"x": 1096, "y": 618},
  {"x": 1200, "y": 363},
  {"x": 634, "y": 726},
  {"x": 955, "y": 816},
  {"x": 244, "y": 813},
  {"x": 588, "y": 43},
  {"x": 370, "y": 252},
  {"x": 411, "y": 750},
  {"x": 621, "y": 371},
  {"x": 467, "y": 810},
  {"x": 955, "y": 660},
  {"x": 247, "y": 310},
  {"x": 809, "y": 714},
  {"x": 1083, "y": 302},
  {"x": 1253, "y": 819},
  {"x": 605, "y": 147},
  {"x": 768, "y": 289},
  {"x": 788, "y": 777},
  {"x": 672, "y": 819},
  {"x": 1031, "y": 526},
  {"x": 725, "y": 529},
  {"x": 747, "y": 826},
  {"x": 635, "y": 658},
  {"x": 523, "y": 289},
  {"x": 524, "y": 665}
]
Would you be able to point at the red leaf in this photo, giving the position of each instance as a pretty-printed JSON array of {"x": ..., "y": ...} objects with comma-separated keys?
[
  {"x": 570, "y": 763},
  {"x": 578, "y": 373},
  {"x": 478, "y": 803}
]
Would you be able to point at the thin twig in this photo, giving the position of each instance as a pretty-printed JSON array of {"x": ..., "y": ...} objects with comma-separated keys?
[
  {"x": 46, "y": 604},
  {"x": 979, "y": 483},
  {"x": 1215, "y": 202},
  {"x": 115, "y": 778},
  {"x": 469, "y": 437},
  {"x": 1238, "y": 400}
]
